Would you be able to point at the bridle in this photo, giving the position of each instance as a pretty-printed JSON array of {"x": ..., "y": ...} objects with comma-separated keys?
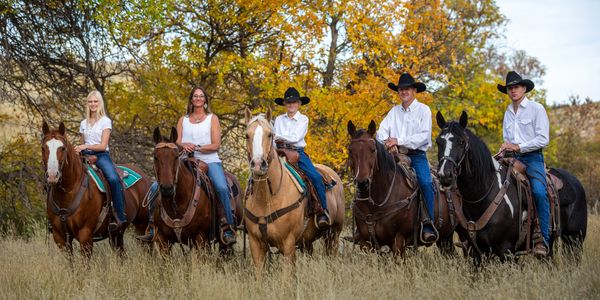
[
  {"x": 269, "y": 159},
  {"x": 174, "y": 147},
  {"x": 370, "y": 177},
  {"x": 463, "y": 156}
]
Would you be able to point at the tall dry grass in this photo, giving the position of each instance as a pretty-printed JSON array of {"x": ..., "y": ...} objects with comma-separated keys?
[{"x": 36, "y": 269}]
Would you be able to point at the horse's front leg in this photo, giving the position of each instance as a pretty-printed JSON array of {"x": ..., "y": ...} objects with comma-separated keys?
[
  {"x": 164, "y": 246},
  {"x": 258, "y": 250},
  {"x": 86, "y": 243},
  {"x": 288, "y": 248},
  {"x": 399, "y": 245},
  {"x": 61, "y": 241}
]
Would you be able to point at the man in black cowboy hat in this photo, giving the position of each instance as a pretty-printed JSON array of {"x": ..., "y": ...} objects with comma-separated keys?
[
  {"x": 526, "y": 132},
  {"x": 290, "y": 130},
  {"x": 409, "y": 125}
]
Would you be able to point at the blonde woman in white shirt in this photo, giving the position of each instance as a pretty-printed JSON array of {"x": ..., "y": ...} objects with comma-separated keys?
[
  {"x": 526, "y": 131},
  {"x": 290, "y": 129},
  {"x": 199, "y": 132},
  {"x": 409, "y": 125},
  {"x": 95, "y": 134}
]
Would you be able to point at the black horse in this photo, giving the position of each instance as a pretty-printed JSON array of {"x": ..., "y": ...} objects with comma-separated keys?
[{"x": 465, "y": 161}]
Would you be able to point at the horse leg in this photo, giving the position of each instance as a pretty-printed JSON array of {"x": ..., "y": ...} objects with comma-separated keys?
[
  {"x": 61, "y": 242},
  {"x": 289, "y": 249},
  {"x": 258, "y": 250},
  {"x": 332, "y": 240},
  {"x": 399, "y": 245},
  {"x": 85, "y": 242},
  {"x": 164, "y": 247},
  {"x": 446, "y": 246}
]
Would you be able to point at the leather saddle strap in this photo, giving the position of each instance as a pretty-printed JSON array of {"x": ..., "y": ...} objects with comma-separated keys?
[
  {"x": 178, "y": 224},
  {"x": 273, "y": 216},
  {"x": 489, "y": 212}
]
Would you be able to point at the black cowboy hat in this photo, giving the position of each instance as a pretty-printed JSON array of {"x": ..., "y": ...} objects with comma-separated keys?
[
  {"x": 292, "y": 94},
  {"x": 406, "y": 80},
  {"x": 512, "y": 78}
]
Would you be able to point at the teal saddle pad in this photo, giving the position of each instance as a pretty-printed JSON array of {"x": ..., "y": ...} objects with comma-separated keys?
[{"x": 130, "y": 177}]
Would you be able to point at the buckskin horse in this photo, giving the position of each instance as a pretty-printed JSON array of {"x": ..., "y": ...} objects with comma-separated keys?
[
  {"x": 76, "y": 208},
  {"x": 275, "y": 209},
  {"x": 493, "y": 216},
  {"x": 187, "y": 208},
  {"x": 385, "y": 207}
]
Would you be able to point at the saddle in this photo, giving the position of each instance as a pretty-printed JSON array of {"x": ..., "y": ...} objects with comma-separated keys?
[
  {"x": 314, "y": 205},
  {"x": 554, "y": 184},
  {"x": 200, "y": 170},
  {"x": 92, "y": 159}
]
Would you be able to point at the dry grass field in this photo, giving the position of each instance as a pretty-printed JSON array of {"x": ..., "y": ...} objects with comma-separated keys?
[{"x": 35, "y": 269}]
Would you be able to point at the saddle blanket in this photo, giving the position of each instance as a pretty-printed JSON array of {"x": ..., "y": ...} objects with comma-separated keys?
[{"x": 129, "y": 177}]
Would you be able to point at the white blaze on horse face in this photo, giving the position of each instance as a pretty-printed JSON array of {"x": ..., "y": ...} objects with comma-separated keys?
[
  {"x": 257, "y": 148},
  {"x": 53, "y": 165},
  {"x": 447, "y": 150}
]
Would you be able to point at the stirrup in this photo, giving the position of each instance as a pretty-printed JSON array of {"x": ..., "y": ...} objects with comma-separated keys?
[
  {"x": 229, "y": 241},
  {"x": 317, "y": 217},
  {"x": 435, "y": 232}
]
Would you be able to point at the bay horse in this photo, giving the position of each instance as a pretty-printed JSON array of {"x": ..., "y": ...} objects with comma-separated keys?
[
  {"x": 186, "y": 212},
  {"x": 385, "y": 207},
  {"x": 75, "y": 206},
  {"x": 275, "y": 208},
  {"x": 465, "y": 161}
]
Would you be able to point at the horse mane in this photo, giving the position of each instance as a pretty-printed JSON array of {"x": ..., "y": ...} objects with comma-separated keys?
[
  {"x": 479, "y": 160},
  {"x": 261, "y": 118},
  {"x": 385, "y": 160}
]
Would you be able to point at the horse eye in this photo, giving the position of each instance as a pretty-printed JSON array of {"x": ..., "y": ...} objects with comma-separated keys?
[
  {"x": 270, "y": 135},
  {"x": 247, "y": 136}
]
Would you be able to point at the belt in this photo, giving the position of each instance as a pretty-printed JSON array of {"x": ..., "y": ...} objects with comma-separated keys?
[
  {"x": 414, "y": 152},
  {"x": 288, "y": 146},
  {"x": 538, "y": 151}
]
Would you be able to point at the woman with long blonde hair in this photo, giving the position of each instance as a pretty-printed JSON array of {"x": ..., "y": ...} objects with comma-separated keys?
[{"x": 95, "y": 133}]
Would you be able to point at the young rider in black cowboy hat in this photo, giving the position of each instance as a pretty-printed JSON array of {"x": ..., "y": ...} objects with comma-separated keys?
[
  {"x": 290, "y": 130},
  {"x": 526, "y": 131},
  {"x": 409, "y": 125}
]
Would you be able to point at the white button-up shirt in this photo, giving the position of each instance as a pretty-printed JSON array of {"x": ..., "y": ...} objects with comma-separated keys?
[
  {"x": 292, "y": 130},
  {"x": 528, "y": 127},
  {"x": 411, "y": 126}
]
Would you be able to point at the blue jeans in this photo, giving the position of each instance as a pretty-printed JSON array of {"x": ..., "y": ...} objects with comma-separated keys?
[
  {"x": 537, "y": 178},
  {"x": 419, "y": 162},
  {"x": 219, "y": 183},
  {"x": 314, "y": 176},
  {"x": 105, "y": 164}
]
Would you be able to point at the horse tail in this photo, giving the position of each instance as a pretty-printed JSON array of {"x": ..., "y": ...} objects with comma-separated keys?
[{"x": 573, "y": 202}]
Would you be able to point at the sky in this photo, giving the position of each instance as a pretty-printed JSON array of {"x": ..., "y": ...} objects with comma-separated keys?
[{"x": 565, "y": 37}]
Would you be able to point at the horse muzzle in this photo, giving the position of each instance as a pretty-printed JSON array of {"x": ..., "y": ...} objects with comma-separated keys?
[
  {"x": 167, "y": 190},
  {"x": 447, "y": 178},
  {"x": 53, "y": 177},
  {"x": 259, "y": 166},
  {"x": 363, "y": 188}
]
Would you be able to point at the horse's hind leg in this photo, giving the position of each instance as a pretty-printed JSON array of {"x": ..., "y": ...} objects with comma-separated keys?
[
  {"x": 332, "y": 238},
  {"x": 117, "y": 243},
  {"x": 399, "y": 246}
]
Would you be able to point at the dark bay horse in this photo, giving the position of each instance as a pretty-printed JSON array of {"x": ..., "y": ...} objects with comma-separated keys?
[
  {"x": 185, "y": 213},
  {"x": 466, "y": 161},
  {"x": 76, "y": 208},
  {"x": 385, "y": 206},
  {"x": 275, "y": 210}
]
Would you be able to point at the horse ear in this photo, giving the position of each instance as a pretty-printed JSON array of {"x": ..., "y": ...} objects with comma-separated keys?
[
  {"x": 173, "y": 134},
  {"x": 440, "y": 119},
  {"x": 351, "y": 128},
  {"x": 269, "y": 113},
  {"x": 45, "y": 128},
  {"x": 156, "y": 137},
  {"x": 61, "y": 129},
  {"x": 372, "y": 128},
  {"x": 463, "y": 119},
  {"x": 247, "y": 115}
]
